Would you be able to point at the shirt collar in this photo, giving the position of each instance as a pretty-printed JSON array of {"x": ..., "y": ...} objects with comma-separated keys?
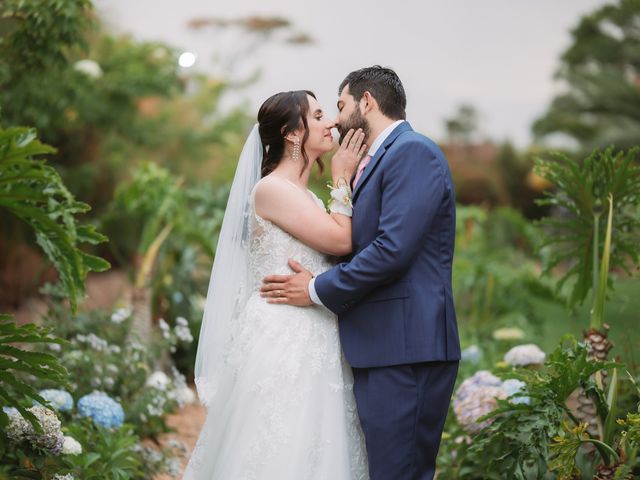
[{"x": 382, "y": 137}]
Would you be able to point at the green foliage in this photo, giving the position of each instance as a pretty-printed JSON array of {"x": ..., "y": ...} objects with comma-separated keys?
[
  {"x": 601, "y": 105},
  {"x": 15, "y": 362},
  {"x": 565, "y": 448},
  {"x": 107, "y": 453},
  {"x": 462, "y": 125},
  {"x": 37, "y": 36},
  {"x": 495, "y": 278},
  {"x": 581, "y": 195},
  {"x": 100, "y": 355},
  {"x": 35, "y": 193},
  {"x": 517, "y": 443},
  {"x": 154, "y": 205}
]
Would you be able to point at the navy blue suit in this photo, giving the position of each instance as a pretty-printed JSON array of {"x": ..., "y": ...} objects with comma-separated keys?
[{"x": 394, "y": 304}]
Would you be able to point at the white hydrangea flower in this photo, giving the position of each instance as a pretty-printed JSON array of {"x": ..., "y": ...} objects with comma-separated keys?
[
  {"x": 521, "y": 355},
  {"x": 68, "y": 476},
  {"x": 182, "y": 321},
  {"x": 71, "y": 446},
  {"x": 89, "y": 68},
  {"x": 184, "y": 333},
  {"x": 120, "y": 315},
  {"x": 52, "y": 438},
  {"x": 513, "y": 333},
  {"x": 158, "y": 380},
  {"x": 184, "y": 396},
  {"x": 164, "y": 328}
]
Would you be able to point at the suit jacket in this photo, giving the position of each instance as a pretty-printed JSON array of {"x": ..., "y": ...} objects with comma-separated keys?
[{"x": 393, "y": 297}]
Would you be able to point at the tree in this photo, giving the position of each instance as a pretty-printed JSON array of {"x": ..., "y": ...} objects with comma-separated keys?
[
  {"x": 601, "y": 70},
  {"x": 462, "y": 125}
]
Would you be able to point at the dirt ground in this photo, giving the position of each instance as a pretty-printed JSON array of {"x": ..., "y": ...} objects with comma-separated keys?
[{"x": 187, "y": 423}]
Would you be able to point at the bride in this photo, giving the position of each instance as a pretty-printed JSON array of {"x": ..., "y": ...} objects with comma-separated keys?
[{"x": 277, "y": 389}]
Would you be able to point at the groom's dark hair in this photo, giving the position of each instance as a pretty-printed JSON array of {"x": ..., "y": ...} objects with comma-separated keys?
[{"x": 383, "y": 84}]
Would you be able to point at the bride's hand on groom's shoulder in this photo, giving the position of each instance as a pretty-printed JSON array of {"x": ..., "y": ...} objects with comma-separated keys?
[
  {"x": 288, "y": 289},
  {"x": 346, "y": 158}
]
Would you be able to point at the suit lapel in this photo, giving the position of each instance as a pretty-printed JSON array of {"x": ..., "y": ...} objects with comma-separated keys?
[{"x": 403, "y": 127}]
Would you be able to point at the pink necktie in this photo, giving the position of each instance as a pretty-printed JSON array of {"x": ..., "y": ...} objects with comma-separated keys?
[{"x": 363, "y": 163}]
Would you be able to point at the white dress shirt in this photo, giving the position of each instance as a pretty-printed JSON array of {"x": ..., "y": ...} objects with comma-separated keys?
[{"x": 373, "y": 149}]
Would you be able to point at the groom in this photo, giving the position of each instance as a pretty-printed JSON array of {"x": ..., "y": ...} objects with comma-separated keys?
[{"x": 393, "y": 297}]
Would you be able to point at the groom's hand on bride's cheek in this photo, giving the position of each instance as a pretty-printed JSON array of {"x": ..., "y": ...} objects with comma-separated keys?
[{"x": 288, "y": 289}]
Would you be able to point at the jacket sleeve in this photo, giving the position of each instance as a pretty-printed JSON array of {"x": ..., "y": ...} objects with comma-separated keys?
[{"x": 413, "y": 186}]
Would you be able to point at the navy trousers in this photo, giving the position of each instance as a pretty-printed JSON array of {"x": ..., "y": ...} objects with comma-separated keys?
[{"x": 402, "y": 410}]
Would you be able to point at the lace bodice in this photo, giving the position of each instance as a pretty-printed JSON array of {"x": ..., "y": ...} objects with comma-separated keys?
[{"x": 270, "y": 248}]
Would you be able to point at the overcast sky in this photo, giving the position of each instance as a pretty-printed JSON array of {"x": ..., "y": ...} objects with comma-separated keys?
[{"x": 498, "y": 55}]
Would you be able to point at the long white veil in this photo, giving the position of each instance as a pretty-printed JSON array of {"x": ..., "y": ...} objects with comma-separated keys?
[{"x": 228, "y": 286}]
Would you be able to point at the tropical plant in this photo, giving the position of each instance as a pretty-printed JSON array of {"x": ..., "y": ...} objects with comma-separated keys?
[
  {"x": 580, "y": 197},
  {"x": 33, "y": 191},
  {"x": 17, "y": 362},
  {"x": 606, "y": 181},
  {"x": 167, "y": 219},
  {"x": 617, "y": 447},
  {"x": 516, "y": 444}
]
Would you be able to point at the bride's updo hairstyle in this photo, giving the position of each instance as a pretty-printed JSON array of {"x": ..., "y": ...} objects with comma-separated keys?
[{"x": 279, "y": 115}]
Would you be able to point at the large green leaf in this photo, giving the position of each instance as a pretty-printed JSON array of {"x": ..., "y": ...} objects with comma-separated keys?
[
  {"x": 34, "y": 192},
  {"x": 16, "y": 361},
  {"x": 580, "y": 195}
]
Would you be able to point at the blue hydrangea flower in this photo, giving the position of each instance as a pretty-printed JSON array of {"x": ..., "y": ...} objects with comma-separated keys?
[
  {"x": 58, "y": 399},
  {"x": 472, "y": 354},
  {"x": 102, "y": 409},
  {"x": 10, "y": 411},
  {"x": 513, "y": 386}
]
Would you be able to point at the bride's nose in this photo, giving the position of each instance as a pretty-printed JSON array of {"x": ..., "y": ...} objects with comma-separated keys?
[{"x": 330, "y": 124}]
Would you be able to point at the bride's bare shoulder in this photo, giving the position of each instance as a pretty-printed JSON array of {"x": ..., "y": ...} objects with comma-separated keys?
[
  {"x": 275, "y": 188},
  {"x": 274, "y": 194}
]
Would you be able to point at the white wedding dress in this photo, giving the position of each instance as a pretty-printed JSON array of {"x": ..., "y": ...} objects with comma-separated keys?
[{"x": 287, "y": 411}]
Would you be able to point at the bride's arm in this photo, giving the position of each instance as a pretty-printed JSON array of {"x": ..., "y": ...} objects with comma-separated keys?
[{"x": 296, "y": 212}]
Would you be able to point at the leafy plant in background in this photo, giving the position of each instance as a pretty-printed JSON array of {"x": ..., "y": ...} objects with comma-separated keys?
[
  {"x": 605, "y": 182},
  {"x": 516, "y": 444},
  {"x": 16, "y": 362},
  {"x": 109, "y": 453},
  {"x": 33, "y": 191},
  {"x": 175, "y": 231},
  {"x": 495, "y": 277},
  {"x": 109, "y": 103},
  {"x": 580, "y": 197},
  {"x": 102, "y": 355}
]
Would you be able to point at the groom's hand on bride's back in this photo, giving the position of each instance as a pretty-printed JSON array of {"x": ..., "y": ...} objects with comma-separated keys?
[{"x": 288, "y": 289}]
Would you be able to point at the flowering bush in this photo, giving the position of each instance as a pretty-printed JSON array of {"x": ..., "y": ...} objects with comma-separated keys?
[
  {"x": 50, "y": 441},
  {"x": 471, "y": 354},
  {"x": 508, "y": 333},
  {"x": 523, "y": 355},
  {"x": 102, "y": 409},
  {"x": 71, "y": 446},
  {"x": 60, "y": 400},
  {"x": 478, "y": 396}
]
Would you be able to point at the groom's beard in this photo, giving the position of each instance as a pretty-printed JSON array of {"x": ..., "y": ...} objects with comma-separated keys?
[{"x": 356, "y": 120}]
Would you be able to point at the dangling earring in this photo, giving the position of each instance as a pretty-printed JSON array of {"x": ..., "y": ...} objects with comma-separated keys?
[{"x": 296, "y": 149}]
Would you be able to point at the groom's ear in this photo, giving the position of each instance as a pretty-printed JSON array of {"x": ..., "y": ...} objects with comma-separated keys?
[{"x": 369, "y": 103}]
